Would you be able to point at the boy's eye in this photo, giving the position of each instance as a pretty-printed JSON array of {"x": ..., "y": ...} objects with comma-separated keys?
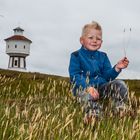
[
  {"x": 90, "y": 37},
  {"x": 98, "y": 38}
]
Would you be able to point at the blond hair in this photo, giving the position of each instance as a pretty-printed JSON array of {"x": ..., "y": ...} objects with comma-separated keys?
[{"x": 92, "y": 25}]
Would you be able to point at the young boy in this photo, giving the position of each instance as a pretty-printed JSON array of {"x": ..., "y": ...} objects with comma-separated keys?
[{"x": 91, "y": 72}]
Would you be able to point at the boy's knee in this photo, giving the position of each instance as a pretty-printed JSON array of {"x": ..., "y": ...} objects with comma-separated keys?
[
  {"x": 122, "y": 87},
  {"x": 120, "y": 84}
]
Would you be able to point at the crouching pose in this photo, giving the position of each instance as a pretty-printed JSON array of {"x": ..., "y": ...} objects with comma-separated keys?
[{"x": 91, "y": 73}]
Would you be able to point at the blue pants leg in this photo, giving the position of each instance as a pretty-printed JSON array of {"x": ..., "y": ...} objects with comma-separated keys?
[
  {"x": 89, "y": 104},
  {"x": 116, "y": 89}
]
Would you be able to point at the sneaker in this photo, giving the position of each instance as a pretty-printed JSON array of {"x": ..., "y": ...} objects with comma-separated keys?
[
  {"x": 96, "y": 109},
  {"x": 92, "y": 115}
]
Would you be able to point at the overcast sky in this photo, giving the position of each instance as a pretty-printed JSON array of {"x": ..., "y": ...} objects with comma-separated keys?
[{"x": 54, "y": 26}]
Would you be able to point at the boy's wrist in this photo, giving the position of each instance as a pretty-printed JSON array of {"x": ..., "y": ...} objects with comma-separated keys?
[{"x": 117, "y": 69}]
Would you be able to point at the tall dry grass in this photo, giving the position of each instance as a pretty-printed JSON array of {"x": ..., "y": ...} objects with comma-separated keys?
[{"x": 45, "y": 110}]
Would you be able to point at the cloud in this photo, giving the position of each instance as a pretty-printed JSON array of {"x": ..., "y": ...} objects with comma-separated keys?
[{"x": 55, "y": 28}]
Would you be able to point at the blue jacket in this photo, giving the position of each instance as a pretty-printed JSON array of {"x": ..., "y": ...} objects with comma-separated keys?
[{"x": 90, "y": 68}]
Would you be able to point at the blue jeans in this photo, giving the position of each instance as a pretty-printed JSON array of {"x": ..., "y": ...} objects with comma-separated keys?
[{"x": 116, "y": 89}]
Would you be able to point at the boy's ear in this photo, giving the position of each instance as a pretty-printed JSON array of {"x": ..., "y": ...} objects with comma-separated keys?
[{"x": 81, "y": 40}]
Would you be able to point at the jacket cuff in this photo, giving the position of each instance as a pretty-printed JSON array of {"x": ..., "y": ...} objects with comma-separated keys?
[{"x": 116, "y": 73}]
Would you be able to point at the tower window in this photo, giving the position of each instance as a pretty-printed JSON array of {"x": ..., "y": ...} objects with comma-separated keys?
[
  {"x": 15, "y": 62},
  {"x": 15, "y": 46},
  {"x": 24, "y": 46},
  {"x": 8, "y": 46}
]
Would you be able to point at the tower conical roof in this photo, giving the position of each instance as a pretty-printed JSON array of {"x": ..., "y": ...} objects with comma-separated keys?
[{"x": 18, "y": 37}]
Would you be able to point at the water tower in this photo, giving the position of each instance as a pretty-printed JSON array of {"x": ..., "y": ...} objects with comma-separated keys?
[{"x": 18, "y": 48}]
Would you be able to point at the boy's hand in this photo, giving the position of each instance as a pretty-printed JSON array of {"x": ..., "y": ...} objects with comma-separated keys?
[
  {"x": 93, "y": 92},
  {"x": 123, "y": 63}
]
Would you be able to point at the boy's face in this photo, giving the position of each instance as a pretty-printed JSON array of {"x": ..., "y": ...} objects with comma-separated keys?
[{"x": 92, "y": 40}]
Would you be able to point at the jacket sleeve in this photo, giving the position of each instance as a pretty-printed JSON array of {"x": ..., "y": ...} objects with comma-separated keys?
[
  {"x": 75, "y": 72},
  {"x": 109, "y": 73}
]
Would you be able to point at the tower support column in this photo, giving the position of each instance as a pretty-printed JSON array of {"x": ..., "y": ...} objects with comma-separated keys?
[{"x": 17, "y": 62}]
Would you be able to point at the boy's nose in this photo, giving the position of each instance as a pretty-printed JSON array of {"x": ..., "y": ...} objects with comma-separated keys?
[{"x": 94, "y": 39}]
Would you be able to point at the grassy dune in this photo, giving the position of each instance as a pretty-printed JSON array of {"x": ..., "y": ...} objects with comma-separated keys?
[{"x": 37, "y": 106}]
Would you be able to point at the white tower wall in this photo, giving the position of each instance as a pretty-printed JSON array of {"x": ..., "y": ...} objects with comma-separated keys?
[
  {"x": 22, "y": 62},
  {"x": 18, "y": 33},
  {"x": 21, "y": 47}
]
